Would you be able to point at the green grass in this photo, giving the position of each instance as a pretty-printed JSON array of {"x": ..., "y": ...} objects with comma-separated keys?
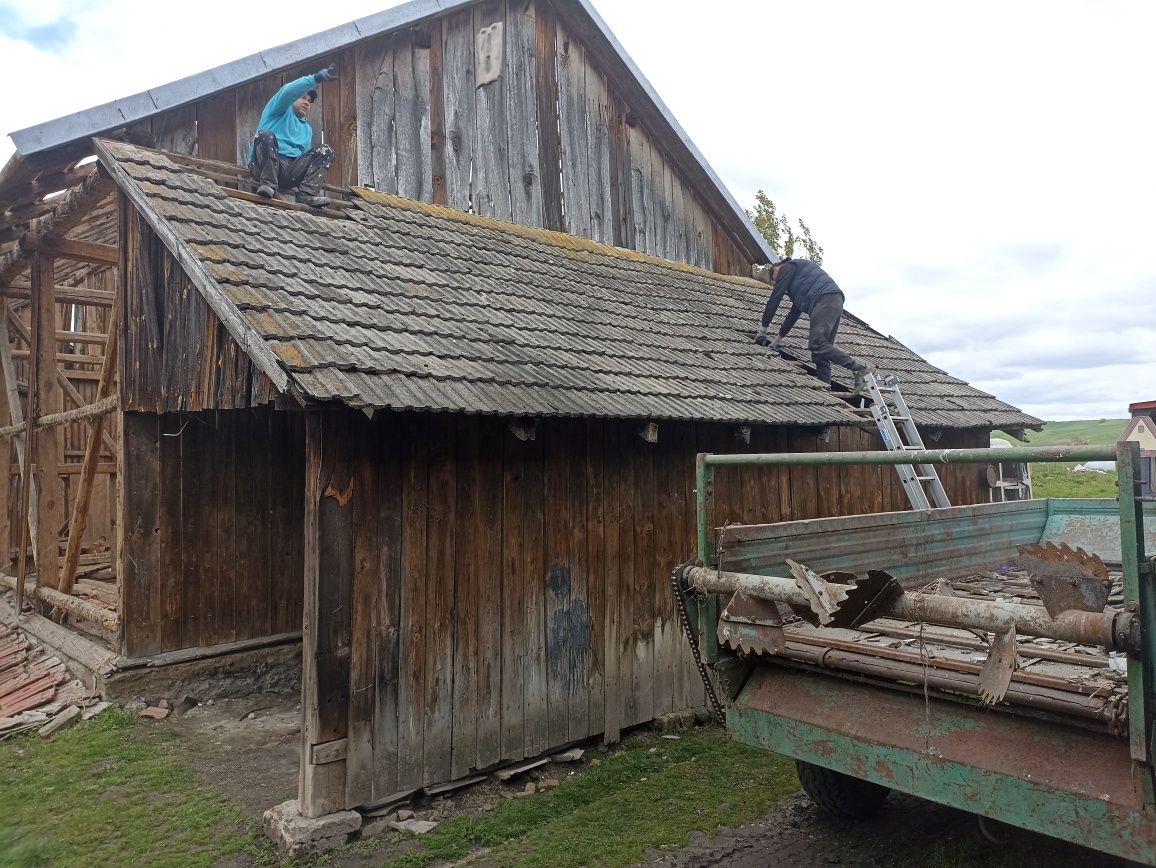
[
  {"x": 1085, "y": 432},
  {"x": 1058, "y": 480},
  {"x": 110, "y": 792},
  {"x": 652, "y": 793}
]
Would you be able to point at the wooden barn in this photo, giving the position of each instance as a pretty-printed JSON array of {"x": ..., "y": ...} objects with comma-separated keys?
[{"x": 446, "y": 429}]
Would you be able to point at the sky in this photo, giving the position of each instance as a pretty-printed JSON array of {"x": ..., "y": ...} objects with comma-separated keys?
[{"x": 980, "y": 174}]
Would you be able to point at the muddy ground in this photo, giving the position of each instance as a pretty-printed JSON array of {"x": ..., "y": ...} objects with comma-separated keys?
[{"x": 248, "y": 748}]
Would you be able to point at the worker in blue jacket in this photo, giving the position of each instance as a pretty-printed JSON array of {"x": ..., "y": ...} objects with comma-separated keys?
[
  {"x": 814, "y": 293},
  {"x": 282, "y": 155}
]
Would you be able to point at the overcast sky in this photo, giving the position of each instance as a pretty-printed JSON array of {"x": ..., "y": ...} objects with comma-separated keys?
[{"x": 980, "y": 174}]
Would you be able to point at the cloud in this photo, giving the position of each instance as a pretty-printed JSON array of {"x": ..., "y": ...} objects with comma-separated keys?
[{"x": 27, "y": 24}]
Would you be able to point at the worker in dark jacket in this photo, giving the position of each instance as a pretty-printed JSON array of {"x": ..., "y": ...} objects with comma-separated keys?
[
  {"x": 282, "y": 154},
  {"x": 814, "y": 293}
]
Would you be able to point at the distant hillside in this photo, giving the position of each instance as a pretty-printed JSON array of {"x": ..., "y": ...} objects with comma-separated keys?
[{"x": 1100, "y": 432}]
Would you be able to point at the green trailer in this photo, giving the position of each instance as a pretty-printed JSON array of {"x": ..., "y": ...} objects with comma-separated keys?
[{"x": 941, "y": 662}]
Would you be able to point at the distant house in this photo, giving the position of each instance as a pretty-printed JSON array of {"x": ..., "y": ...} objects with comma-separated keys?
[
  {"x": 454, "y": 450},
  {"x": 1142, "y": 429}
]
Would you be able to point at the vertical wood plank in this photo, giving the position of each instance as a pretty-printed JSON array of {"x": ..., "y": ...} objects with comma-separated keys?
[
  {"x": 640, "y": 191},
  {"x": 576, "y": 146},
  {"x": 329, "y": 567},
  {"x": 376, "y": 114},
  {"x": 488, "y": 521},
  {"x": 176, "y": 130},
  {"x": 468, "y": 568},
  {"x": 515, "y": 583},
  {"x": 339, "y": 117},
  {"x": 534, "y": 568},
  {"x": 412, "y": 690},
  {"x": 367, "y": 627},
  {"x": 440, "y": 615},
  {"x": 557, "y": 508},
  {"x": 217, "y": 126},
  {"x": 595, "y": 523},
  {"x": 459, "y": 125},
  {"x": 437, "y": 115},
  {"x": 520, "y": 70},
  {"x": 492, "y": 180},
  {"x": 549, "y": 142},
  {"x": 621, "y": 200},
  {"x": 598, "y": 121},
  {"x": 390, "y": 535},
  {"x": 412, "y": 79},
  {"x": 139, "y": 563},
  {"x": 644, "y": 576}
]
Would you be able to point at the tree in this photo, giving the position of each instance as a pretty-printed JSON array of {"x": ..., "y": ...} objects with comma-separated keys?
[{"x": 780, "y": 234}]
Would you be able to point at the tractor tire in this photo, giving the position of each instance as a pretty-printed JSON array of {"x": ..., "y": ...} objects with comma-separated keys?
[{"x": 841, "y": 795}]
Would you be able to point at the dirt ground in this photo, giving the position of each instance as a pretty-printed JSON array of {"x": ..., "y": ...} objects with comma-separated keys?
[{"x": 248, "y": 748}]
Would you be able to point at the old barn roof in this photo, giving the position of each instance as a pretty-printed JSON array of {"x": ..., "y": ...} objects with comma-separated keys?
[{"x": 406, "y": 305}]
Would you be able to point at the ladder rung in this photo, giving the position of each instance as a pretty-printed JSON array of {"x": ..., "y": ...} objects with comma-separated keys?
[
  {"x": 925, "y": 478},
  {"x": 901, "y": 418}
]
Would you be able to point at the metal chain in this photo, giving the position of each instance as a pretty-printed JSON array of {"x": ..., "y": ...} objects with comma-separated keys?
[{"x": 680, "y": 601}]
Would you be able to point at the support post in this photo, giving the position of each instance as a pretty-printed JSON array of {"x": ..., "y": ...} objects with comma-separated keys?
[
  {"x": 325, "y": 632},
  {"x": 79, "y": 520},
  {"x": 49, "y": 441}
]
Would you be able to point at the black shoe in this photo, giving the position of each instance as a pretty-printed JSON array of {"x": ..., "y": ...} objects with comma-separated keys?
[
  {"x": 313, "y": 201},
  {"x": 266, "y": 192}
]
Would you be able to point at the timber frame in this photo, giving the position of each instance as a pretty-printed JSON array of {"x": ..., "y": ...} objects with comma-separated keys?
[{"x": 58, "y": 407}]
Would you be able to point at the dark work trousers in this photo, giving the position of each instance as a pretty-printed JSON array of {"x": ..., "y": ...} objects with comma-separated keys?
[
  {"x": 306, "y": 173},
  {"x": 821, "y": 341}
]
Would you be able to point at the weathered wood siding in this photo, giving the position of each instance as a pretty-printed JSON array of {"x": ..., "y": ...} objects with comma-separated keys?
[
  {"x": 551, "y": 142},
  {"x": 176, "y": 354},
  {"x": 213, "y": 506},
  {"x": 472, "y": 597}
]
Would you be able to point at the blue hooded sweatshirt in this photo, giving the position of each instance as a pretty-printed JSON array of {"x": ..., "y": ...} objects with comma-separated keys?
[{"x": 294, "y": 135}]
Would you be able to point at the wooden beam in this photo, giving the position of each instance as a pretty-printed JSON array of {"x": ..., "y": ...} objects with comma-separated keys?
[
  {"x": 64, "y": 376},
  {"x": 79, "y": 520},
  {"x": 17, "y": 415},
  {"x": 95, "y": 412},
  {"x": 71, "y": 468},
  {"x": 49, "y": 441},
  {"x": 336, "y": 208},
  {"x": 106, "y": 618},
  {"x": 65, "y": 358},
  {"x": 80, "y": 337},
  {"x": 64, "y": 295},
  {"x": 68, "y": 248}
]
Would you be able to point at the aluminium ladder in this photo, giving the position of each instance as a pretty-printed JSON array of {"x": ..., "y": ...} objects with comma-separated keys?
[{"x": 889, "y": 408}]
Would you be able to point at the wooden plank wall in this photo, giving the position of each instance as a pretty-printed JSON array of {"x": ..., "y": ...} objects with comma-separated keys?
[
  {"x": 551, "y": 142},
  {"x": 509, "y": 596},
  {"x": 175, "y": 353},
  {"x": 213, "y": 505}
]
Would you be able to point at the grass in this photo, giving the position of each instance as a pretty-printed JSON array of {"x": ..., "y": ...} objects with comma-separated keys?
[
  {"x": 116, "y": 791},
  {"x": 108, "y": 792},
  {"x": 651, "y": 793},
  {"x": 1059, "y": 480}
]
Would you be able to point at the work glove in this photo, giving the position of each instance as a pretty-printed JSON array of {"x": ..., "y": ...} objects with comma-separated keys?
[
  {"x": 773, "y": 343},
  {"x": 327, "y": 74},
  {"x": 765, "y": 340}
]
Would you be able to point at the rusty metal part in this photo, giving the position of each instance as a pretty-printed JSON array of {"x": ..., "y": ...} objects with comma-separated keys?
[
  {"x": 866, "y": 598},
  {"x": 1091, "y": 660},
  {"x": 1085, "y": 628},
  {"x": 996, "y": 675},
  {"x": 823, "y": 598},
  {"x": 678, "y": 585},
  {"x": 1066, "y": 578},
  {"x": 752, "y": 626},
  {"x": 1105, "y": 711}
]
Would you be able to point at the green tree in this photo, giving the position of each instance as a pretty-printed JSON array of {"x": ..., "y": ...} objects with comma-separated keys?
[{"x": 781, "y": 235}]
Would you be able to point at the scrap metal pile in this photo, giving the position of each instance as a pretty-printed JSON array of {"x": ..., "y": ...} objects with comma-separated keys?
[{"x": 1065, "y": 660}]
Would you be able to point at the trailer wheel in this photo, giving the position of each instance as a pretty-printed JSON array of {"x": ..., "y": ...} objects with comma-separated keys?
[{"x": 841, "y": 795}]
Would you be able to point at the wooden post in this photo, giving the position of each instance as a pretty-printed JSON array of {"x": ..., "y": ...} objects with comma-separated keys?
[
  {"x": 330, "y": 500},
  {"x": 49, "y": 441},
  {"x": 79, "y": 520}
]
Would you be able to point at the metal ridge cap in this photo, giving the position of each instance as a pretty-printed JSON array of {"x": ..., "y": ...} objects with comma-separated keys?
[
  {"x": 588, "y": 8},
  {"x": 82, "y": 124}
]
